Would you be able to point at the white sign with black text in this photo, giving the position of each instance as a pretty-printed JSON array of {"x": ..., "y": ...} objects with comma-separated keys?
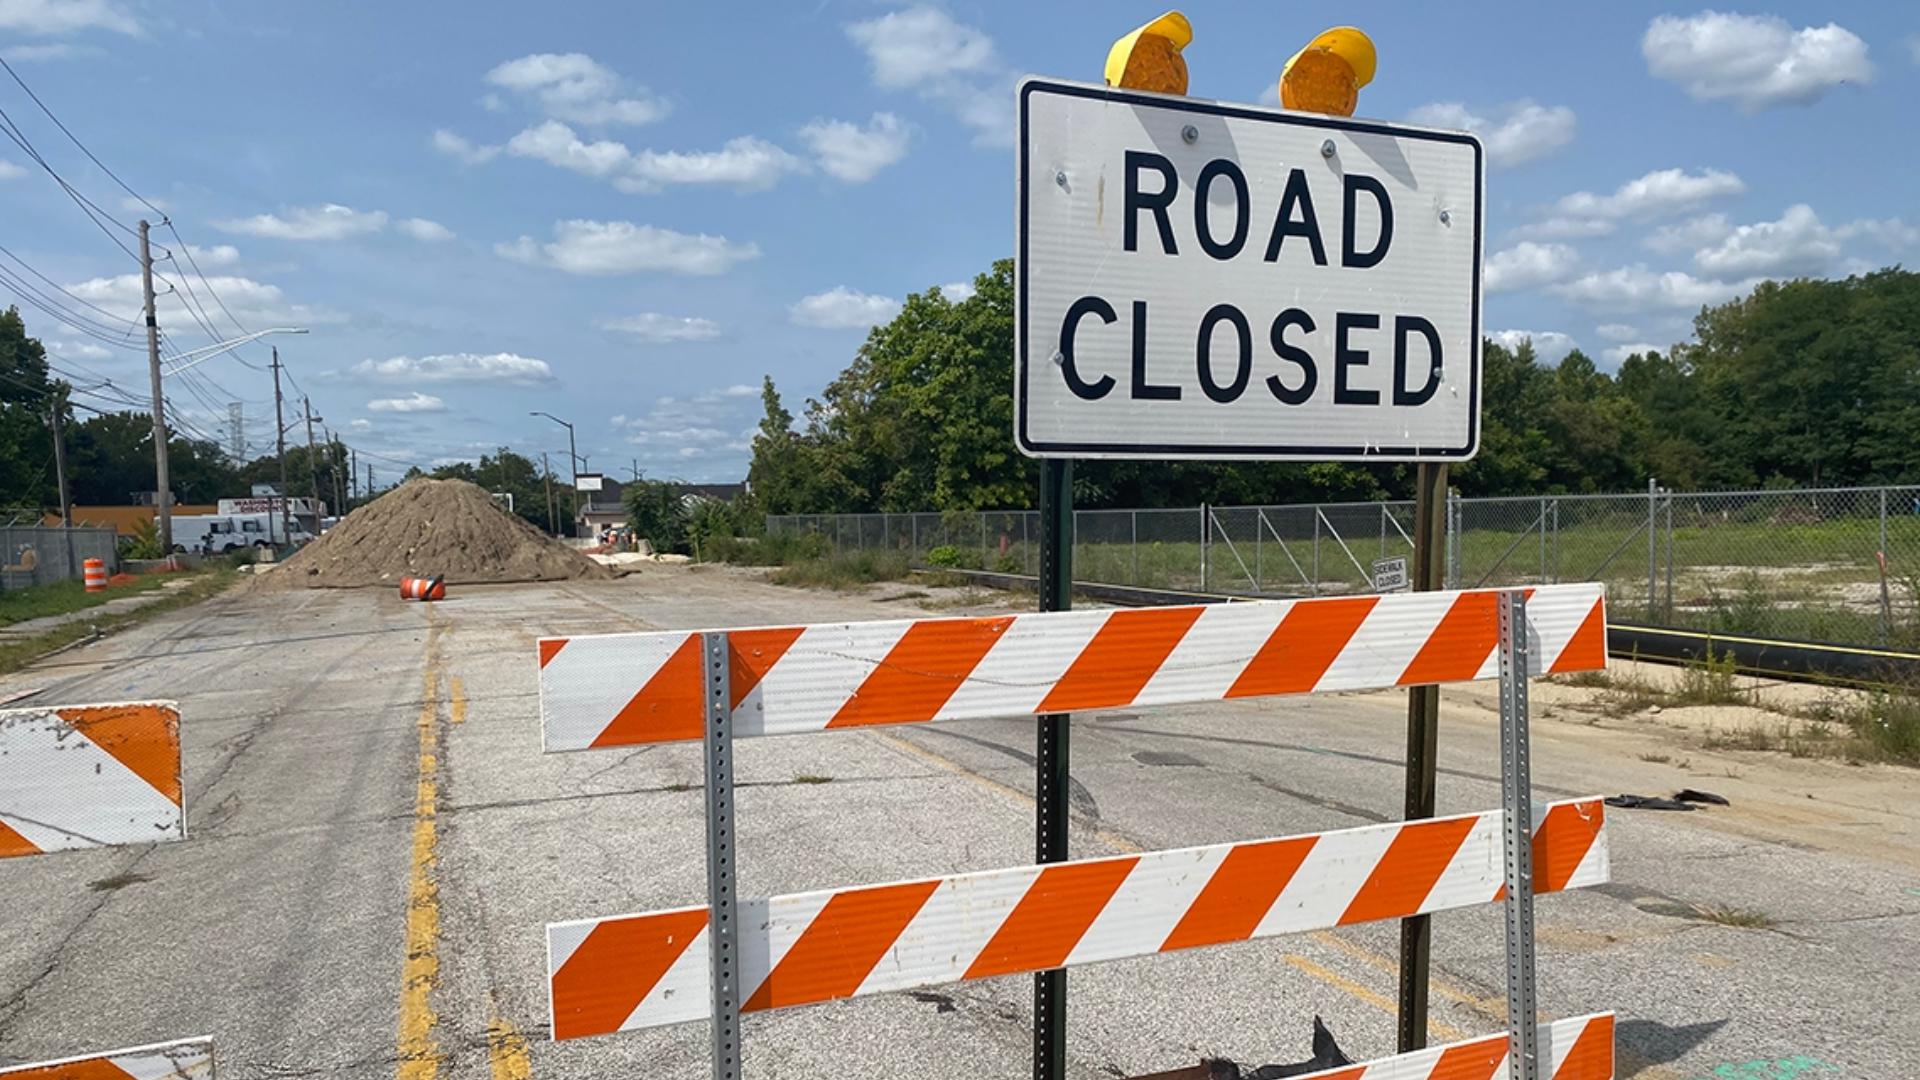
[
  {"x": 1205, "y": 280},
  {"x": 1390, "y": 575}
]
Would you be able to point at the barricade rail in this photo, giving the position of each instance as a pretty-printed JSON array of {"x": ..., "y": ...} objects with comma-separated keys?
[{"x": 649, "y": 969}]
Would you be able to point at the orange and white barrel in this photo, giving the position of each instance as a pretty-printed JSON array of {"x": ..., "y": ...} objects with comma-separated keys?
[
  {"x": 429, "y": 588},
  {"x": 96, "y": 574}
]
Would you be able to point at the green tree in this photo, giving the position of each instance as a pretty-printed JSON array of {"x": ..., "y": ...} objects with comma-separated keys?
[{"x": 26, "y": 394}]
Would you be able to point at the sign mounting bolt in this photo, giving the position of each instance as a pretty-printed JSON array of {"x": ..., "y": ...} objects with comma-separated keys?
[
  {"x": 1446, "y": 217},
  {"x": 1326, "y": 149},
  {"x": 1060, "y": 178},
  {"x": 1190, "y": 134}
]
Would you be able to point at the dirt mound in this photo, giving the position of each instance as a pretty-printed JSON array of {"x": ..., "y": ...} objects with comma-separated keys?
[{"x": 426, "y": 527}]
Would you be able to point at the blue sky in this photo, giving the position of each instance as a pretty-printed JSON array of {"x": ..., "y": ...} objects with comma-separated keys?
[{"x": 626, "y": 213}]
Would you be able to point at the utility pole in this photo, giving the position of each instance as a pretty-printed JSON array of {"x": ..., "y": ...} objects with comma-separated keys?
[
  {"x": 60, "y": 472},
  {"x": 636, "y": 470},
  {"x": 280, "y": 437},
  {"x": 163, "y": 511},
  {"x": 369, "y": 479},
  {"x": 553, "y": 525},
  {"x": 313, "y": 465},
  {"x": 333, "y": 466},
  {"x": 353, "y": 474}
]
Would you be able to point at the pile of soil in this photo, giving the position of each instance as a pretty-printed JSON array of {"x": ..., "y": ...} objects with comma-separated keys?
[{"x": 429, "y": 527}]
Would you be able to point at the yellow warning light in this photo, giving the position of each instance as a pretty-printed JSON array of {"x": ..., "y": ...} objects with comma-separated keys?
[
  {"x": 1149, "y": 58},
  {"x": 1326, "y": 76}
]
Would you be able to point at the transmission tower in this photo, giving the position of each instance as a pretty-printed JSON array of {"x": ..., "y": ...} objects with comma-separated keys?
[{"x": 236, "y": 433}]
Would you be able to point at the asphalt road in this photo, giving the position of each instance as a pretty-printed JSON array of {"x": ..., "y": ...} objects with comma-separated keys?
[{"x": 376, "y": 841}]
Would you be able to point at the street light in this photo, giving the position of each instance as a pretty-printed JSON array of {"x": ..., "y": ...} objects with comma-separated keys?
[
  {"x": 208, "y": 352},
  {"x": 573, "y": 462},
  {"x": 164, "y": 511}
]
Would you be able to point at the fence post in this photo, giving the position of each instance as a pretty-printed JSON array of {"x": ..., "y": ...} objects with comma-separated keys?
[
  {"x": 1313, "y": 587},
  {"x": 1653, "y": 553},
  {"x": 1206, "y": 541},
  {"x": 1133, "y": 517},
  {"x": 1543, "y": 540},
  {"x": 1886, "y": 600},
  {"x": 1668, "y": 607},
  {"x": 1259, "y": 531}
]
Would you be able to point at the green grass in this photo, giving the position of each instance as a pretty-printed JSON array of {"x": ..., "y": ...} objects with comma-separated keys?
[
  {"x": 200, "y": 585},
  {"x": 844, "y": 571},
  {"x": 61, "y": 597}
]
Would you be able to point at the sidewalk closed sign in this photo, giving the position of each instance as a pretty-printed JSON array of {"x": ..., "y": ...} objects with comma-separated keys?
[{"x": 1203, "y": 280}]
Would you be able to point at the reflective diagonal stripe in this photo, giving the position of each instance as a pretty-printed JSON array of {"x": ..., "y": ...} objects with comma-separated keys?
[
  {"x": 647, "y": 970},
  {"x": 628, "y": 689},
  {"x": 89, "y": 776},
  {"x": 186, "y": 1059},
  {"x": 1578, "y": 1048}
]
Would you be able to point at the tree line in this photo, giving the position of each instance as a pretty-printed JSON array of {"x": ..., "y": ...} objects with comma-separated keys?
[{"x": 1801, "y": 383}]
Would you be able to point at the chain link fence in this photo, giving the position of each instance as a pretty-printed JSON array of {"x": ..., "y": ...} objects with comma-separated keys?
[
  {"x": 1839, "y": 565},
  {"x": 36, "y": 555}
]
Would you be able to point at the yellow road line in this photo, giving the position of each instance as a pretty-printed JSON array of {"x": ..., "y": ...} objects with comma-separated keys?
[
  {"x": 507, "y": 1051},
  {"x": 457, "y": 691},
  {"x": 1379, "y": 1001},
  {"x": 419, "y": 1056},
  {"x": 1492, "y": 1007}
]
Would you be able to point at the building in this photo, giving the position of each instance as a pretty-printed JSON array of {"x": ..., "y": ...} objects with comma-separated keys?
[{"x": 599, "y": 509}]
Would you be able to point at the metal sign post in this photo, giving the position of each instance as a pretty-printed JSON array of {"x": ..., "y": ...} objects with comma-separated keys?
[
  {"x": 1516, "y": 802},
  {"x": 1051, "y": 766},
  {"x": 722, "y": 925},
  {"x": 1423, "y": 748}
]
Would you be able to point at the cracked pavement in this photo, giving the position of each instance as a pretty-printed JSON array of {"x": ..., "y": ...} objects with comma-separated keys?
[{"x": 280, "y": 926}]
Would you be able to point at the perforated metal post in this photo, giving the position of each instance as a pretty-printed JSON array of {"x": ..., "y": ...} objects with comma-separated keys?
[
  {"x": 1516, "y": 798},
  {"x": 1051, "y": 770},
  {"x": 722, "y": 925}
]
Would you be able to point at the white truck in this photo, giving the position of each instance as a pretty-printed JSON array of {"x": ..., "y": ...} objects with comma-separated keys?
[{"x": 217, "y": 534}]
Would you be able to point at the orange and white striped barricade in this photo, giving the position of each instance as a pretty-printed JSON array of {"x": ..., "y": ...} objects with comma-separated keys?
[
  {"x": 645, "y": 970},
  {"x": 426, "y": 588},
  {"x": 184, "y": 1059},
  {"x": 1578, "y": 1048},
  {"x": 88, "y": 776},
  {"x": 95, "y": 572}
]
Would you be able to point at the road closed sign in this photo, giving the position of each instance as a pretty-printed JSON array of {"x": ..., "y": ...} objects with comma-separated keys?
[{"x": 1204, "y": 280}]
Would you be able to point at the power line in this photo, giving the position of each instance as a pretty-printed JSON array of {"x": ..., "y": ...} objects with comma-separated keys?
[
  {"x": 76, "y": 140},
  {"x": 87, "y": 206},
  {"x": 131, "y": 322}
]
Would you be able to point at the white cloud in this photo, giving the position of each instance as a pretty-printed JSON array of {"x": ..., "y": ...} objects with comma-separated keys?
[
  {"x": 1796, "y": 244},
  {"x": 1892, "y": 234},
  {"x": 1657, "y": 194},
  {"x": 1564, "y": 228},
  {"x": 77, "y": 350},
  {"x": 252, "y": 302},
  {"x": 1614, "y": 331},
  {"x": 1514, "y": 133},
  {"x": 1551, "y": 346},
  {"x": 328, "y": 222},
  {"x": 33, "y": 54},
  {"x": 360, "y": 424},
  {"x": 847, "y": 151},
  {"x": 1618, "y": 354},
  {"x": 576, "y": 87},
  {"x": 679, "y": 436},
  {"x": 739, "y": 390},
  {"x": 946, "y": 62},
  {"x": 1528, "y": 265},
  {"x": 415, "y": 402},
  {"x": 655, "y": 328},
  {"x": 920, "y": 45},
  {"x": 1755, "y": 61},
  {"x": 10, "y": 171},
  {"x": 1638, "y": 288},
  {"x": 747, "y": 163},
  {"x": 461, "y": 149},
  {"x": 134, "y": 206},
  {"x": 621, "y": 247},
  {"x": 1913, "y": 47},
  {"x": 458, "y": 367},
  {"x": 65, "y": 16},
  {"x": 219, "y": 255},
  {"x": 424, "y": 230},
  {"x": 957, "y": 291},
  {"x": 1690, "y": 235},
  {"x": 843, "y": 308},
  {"x": 559, "y": 145}
]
